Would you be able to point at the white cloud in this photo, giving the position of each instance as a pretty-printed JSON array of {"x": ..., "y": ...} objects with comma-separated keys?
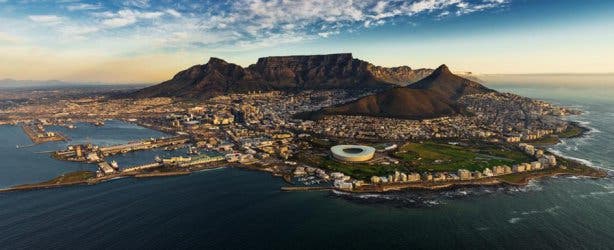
[
  {"x": 46, "y": 19},
  {"x": 173, "y": 12},
  {"x": 464, "y": 8},
  {"x": 83, "y": 6},
  {"x": 150, "y": 15},
  {"x": 127, "y": 17},
  {"x": 137, "y": 3},
  {"x": 122, "y": 18}
]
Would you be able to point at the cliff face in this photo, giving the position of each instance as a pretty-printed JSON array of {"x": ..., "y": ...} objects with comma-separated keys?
[
  {"x": 434, "y": 96},
  {"x": 398, "y": 75},
  {"x": 282, "y": 73},
  {"x": 321, "y": 71}
]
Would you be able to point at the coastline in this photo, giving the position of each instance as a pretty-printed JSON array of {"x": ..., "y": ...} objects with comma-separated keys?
[
  {"x": 586, "y": 170},
  {"x": 577, "y": 168},
  {"x": 493, "y": 181}
]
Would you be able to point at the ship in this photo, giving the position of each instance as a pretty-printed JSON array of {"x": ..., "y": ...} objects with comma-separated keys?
[
  {"x": 193, "y": 151},
  {"x": 114, "y": 165}
]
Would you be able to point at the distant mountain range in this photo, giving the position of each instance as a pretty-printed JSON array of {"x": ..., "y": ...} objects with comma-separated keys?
[
  {"x": 12, "y": 83},
  {"x": 434, "y": 96},
  {"x": 30, "y": 83},
  {"x": 332, "y": 71}
]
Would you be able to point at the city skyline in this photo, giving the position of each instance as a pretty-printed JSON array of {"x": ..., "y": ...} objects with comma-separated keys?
[{"x": 149, "y": 41}]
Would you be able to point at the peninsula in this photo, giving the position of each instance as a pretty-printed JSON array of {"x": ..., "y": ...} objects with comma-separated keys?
[{"x": 290, "y": 115}]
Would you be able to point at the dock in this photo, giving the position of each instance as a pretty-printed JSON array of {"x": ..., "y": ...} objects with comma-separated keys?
[
  {"x": 106, "y": 168},
  {"x": 143, "y": 145},
  {"x": 141, "y": 167},
  {"x": 92, "y": 153},
  {"x": 294, "y": 188},
  {"x": 162, "y": 174},
  {"x": 38, "y": 135}
]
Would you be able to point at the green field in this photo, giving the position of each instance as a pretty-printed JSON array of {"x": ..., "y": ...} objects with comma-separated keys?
[
  {"x": 572, "y": 131},
  {"x": 419, "y": 157},
  {"x": 546, "y": 140},
  {"x": 445, "y": 157},
  {"x": 361, "y": 171},
  {"x": 67, "y": 178}
]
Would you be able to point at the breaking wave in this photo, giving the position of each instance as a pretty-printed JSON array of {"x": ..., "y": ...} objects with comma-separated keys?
[
  {"x": 514, "y": 220},
  {"x": 583, "y": 161},
  {"x": 420, "y": 198}
]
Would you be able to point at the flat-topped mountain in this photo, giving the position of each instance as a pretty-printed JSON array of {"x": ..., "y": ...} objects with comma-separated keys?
[
  {"x": 435, "y": 95},
  {"x": 332, "y": 71}
]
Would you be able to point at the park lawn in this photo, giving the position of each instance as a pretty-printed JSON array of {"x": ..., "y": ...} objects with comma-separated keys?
[
  {"x": 546, "y": 140},
  {"x": 361, "y": 171},
  {"x": 71, "y": 177},
  {"x": 67, "y": 178},
  {"x": 572, "y": 131},
  {"x": 445, "y": 157}
]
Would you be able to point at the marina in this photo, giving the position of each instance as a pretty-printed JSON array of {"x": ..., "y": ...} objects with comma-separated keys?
[{"x": 38, "y": 134}]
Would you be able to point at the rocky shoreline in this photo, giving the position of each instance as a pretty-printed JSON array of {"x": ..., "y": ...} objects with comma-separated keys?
[{"x": 575, "y": 168}]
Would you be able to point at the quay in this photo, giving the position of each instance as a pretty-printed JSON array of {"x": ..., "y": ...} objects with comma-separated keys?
[
  {"x": 141, "y": 167},
  {"x": 143, "y": 145},
  {"x": 94, "y": 154},
  {"x": 106, "y": 168},
  {"x": 38, "y": 135},
  {"x": 306, "y": 188},
  {"x": 162, "y": 174}
]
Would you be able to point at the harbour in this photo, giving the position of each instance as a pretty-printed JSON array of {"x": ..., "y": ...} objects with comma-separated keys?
[{"x": 38, "y": 134}]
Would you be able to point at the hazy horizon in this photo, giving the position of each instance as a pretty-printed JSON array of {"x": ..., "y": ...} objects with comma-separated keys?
[{"x": 543, "y": 79}]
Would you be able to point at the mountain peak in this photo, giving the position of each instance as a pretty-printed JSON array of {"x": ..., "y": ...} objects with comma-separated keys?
[
  {"x": 215, "y": 60},
  {"x": 442, "y": 69}
]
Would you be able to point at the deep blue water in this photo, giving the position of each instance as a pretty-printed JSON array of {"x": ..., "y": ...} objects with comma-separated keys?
[{"x": 237, "y": 209}]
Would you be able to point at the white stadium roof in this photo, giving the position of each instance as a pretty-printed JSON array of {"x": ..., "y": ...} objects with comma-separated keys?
[{"x": 352, "y": 153}]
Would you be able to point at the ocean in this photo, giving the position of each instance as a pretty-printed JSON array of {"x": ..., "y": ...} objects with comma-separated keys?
[{"x": 231, "y": 208}]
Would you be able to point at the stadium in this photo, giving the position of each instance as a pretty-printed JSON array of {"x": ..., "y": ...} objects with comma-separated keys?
[{"x": 352, "y": 153}]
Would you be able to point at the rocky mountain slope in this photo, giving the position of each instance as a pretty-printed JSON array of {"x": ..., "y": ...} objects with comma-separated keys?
[
  {"x": 434, "y": 96},
  {"x": 331, "y": 71}
]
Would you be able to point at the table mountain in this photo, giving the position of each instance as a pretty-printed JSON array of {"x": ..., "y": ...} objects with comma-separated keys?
[{"x": 333, "y": 71}]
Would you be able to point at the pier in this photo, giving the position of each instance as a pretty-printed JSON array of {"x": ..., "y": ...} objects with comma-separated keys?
[
  {"x": 141, "y": 167},
  {"x": 294, "y": 188},
  {"x": 92, "y": 153},
  {"x": 143, "y": 145},
  {"x": 38, "y": 135},
  {"x": 106, "y": 168}
]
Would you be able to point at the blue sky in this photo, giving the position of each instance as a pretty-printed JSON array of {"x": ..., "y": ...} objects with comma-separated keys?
[{"x": 148, "y": 41}]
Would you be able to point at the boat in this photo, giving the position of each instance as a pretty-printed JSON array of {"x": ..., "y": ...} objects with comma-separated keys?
[
  {"x": 193, "y": 151},
  {"x": 114, "y": 165}
]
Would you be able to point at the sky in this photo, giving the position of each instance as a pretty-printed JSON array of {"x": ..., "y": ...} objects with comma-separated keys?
[{"x": 148, "y": 41}]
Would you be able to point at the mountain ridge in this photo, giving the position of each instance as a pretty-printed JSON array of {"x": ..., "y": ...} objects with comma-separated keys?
[
  {"x": 434, "y": 96},
  {"x": 330, "y": 71}
]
